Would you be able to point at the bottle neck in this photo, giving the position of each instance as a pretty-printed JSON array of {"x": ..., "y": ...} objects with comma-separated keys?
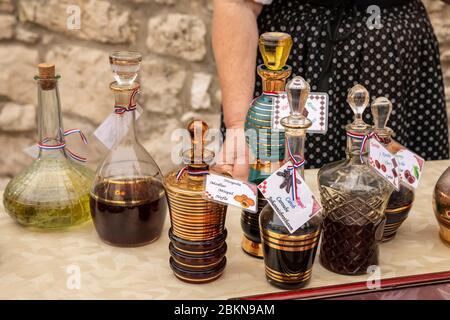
[
  {"x": 125, "y": 115},
  {"x": 295, "y": 146},
  {"x": 274, "y": 80},
  {"x": 354, "y": 151},
  {"x": 50, "y": 128}
]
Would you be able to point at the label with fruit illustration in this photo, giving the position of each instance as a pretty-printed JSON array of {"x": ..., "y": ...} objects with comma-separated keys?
[
  {"x": 316, "y": 110},
  {"x": 384, "y": 163},
  {"x": 295, "y": 211},
  {"x": 230, "y": 191},
  {"x": 411, "y": 167}
]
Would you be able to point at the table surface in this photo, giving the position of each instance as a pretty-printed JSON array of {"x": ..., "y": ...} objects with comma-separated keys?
[{"x": 39, "y": 265}]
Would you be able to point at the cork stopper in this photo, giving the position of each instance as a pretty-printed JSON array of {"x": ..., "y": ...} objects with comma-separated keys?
[
  {"x": 275, "y": 49},
  {"x": 47, "y": 75}
]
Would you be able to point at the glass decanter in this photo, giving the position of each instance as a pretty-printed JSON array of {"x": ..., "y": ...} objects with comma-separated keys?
[
  {"x": 354, "y": 197},
  {"x": 53, "y": 192},
  {"x": 441, "y": 205},
  {"x": 197, "y": 234},
  {"x": 401, "y": 201},
  {"x": 265, "y": 144},
  {"x": 128, "y": 201},
  {"x": 288, "y": 258}
]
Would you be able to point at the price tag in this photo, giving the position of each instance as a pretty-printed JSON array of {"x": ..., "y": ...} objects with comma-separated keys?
[
  {"x": 277, "y": 189},
  {"x": 232, "y": 192},
  {"x": 316, "y": 110},
  {"x": 411, "y": 167},
  {"x": 384, "y": 163}
]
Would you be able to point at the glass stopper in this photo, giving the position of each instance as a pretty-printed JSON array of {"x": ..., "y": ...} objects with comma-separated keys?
[
  {"x": 358, "y": 99},
  {"x": 125, "y": 65},
  {"x": 298, "y": 91},
  {"x": 381, "y": 110},
  {"x": 197, "y": 130},
  {"x": 275, "y": 48}
]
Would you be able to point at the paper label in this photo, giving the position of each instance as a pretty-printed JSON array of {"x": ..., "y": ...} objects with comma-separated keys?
[
  {"x": 411, "y": 167},
  {"x": 384, "y": 163},
  {"x": 232, "y": 192},
  {"x": 277, "y": 190},
  {"x": 108, "y": 132},
  {"x": 316, "y": 110}
]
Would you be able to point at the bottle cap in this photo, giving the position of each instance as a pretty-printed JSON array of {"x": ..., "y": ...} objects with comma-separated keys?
[
  {"x": 358, "y": 99},
  {"x": 198, "y": 155},
  {"x": 46, "y": 76},
  {"x": 381, "y": 110},
  {"x": 275, "y": 49},
  {"x": 125, "y": 65},
  {"x": 298, "y": 91}
]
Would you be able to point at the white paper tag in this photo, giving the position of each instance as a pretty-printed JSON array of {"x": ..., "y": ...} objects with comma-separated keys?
[
  {"x": 277, "y": 190},
  {"x": 410, "y": 167},
  {"x": 384, "y": 163},
  {"x": 316, "y": 110},
  {"x": 231, "y": 192},
  {"x": 107, "y": 132}
]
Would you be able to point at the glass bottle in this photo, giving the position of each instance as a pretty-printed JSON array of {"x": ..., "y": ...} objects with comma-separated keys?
[
  {"x": 354, "y": 197},
  {"x": 197, "y": 234},
  {"x": 265, "y": 144},
  {"x": 53, "y": 192},
  {"x": 289, "y": 258},
  {"x": 128, "y": 201},
  {"x": 441, "y": 205},
  {"x": 401, "y": 201}
]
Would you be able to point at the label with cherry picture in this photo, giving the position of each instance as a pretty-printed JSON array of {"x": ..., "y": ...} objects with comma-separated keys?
[
  {"x": 411, "y": 167},
  {"x": 316, "y": 110},
  {"x": 384, "y": 163}
]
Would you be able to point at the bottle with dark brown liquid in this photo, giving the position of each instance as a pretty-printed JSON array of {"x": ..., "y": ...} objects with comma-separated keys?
[
  {"x": 128, "y": 201},
  {"x": 401, "y": 201},
  {"x": 289, "y": 257},
  {"x": 354, "y": 197}
]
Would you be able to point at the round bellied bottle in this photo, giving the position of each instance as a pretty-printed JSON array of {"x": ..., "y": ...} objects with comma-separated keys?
[
  {"x": 441, "y": 205},
  {"x": 53, "y": 192},
  {"x": 289, "y": 257},
  {"x": 354, "y": 197},
  {"x": 266, "y": 144},
  {"x": 401, "y": 201},
  {"x": 128, "y": 201}
]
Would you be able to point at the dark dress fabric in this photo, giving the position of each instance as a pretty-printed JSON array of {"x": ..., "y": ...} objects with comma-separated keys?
[{"x": 399, "y": 61}]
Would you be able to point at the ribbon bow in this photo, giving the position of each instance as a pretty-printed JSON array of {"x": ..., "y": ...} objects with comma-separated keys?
[
  {"x": 44, "y": 146},
  {"x": 365, "y": 138},
  {"x": 296, "y": 162}
]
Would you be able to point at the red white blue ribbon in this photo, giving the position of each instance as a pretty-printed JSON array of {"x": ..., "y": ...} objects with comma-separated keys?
[
  {"x": 365, "y": 138},
  {"x": 192, "y": 172},
  {"x": 296, "y": 162},
  {"x": 44, "y": 146},
  {"x": 131, "y": 105}
]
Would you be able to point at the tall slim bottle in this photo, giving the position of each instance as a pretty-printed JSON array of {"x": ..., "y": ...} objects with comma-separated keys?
[{"x": 266, "y": 144}]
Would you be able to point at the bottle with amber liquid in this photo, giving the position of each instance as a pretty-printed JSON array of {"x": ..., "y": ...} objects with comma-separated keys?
[
  {"x": 289, "y": 257},
  {"x": 197, "y": 234},
  {"x": 265, "y": 143},
  {"x": 401, "y": 201},
  {"x": 53, "y": 192},
  {"x": 354, "y": 197},
  {"x": 128, "y": 201}
]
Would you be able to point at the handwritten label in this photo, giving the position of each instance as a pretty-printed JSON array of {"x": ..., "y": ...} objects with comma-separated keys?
[
  {"x": 231, "y": 192},
  {"x": 316, "y": 110},
  {"x": 384, "y": 163},
  {"x": 277, "y": 190}
]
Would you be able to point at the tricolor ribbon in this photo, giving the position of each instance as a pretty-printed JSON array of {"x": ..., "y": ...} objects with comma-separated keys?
[
  {"x": 131, "y": 105},
  {"x": 193, "y": 172},
  {"x": 365, "y": 138},
  {"x": 44, "y": 146},
  {"x": 297, "y": 162}
]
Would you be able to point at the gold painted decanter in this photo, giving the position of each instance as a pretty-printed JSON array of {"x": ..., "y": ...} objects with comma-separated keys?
[
  {"x": 128, "y": 201},
  {"x": 267, "y": 145},
  {"x": 401, "y": 201},
  {"x": 441, "y": 205},
  {"x": 354, "y": 197},
  {"x": 197, "y": 234},
  {"x": 289, "y": 258},
  {"x": 53, "y": 192}
]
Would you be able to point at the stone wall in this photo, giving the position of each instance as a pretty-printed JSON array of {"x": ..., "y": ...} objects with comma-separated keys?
[{"x": 178, "y": 73}]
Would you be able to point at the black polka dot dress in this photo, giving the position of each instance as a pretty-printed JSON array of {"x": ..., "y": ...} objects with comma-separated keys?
[{"x": 399, "y": 61}]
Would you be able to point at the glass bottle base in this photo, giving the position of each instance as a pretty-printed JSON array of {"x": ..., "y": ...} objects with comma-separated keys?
[
  {"x": 252, "y": 248},
  {"x": 197, "y": 276},
  {"x": 287, "y": 285}
]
